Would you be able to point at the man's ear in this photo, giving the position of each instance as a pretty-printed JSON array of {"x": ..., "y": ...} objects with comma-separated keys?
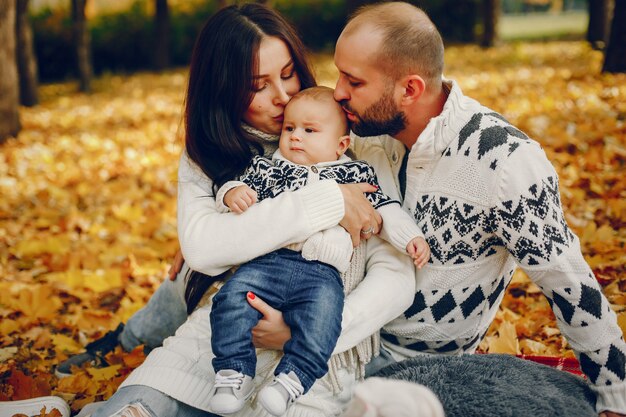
[
  {"x": 414, "y": 86},
  {"x": 344, "y": 144}
]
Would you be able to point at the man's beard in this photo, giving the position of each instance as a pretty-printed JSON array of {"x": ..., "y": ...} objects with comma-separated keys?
[{"x": 380, "y": 118}]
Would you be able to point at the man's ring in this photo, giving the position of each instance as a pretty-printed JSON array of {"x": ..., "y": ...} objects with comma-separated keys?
[{"x": 368, "y": 231}]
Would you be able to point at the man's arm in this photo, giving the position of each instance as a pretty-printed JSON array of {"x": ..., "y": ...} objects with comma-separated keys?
[{"x": 531, "y": 224}]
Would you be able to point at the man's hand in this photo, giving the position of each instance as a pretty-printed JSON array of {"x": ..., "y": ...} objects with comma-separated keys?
[
  {"x": 419, "y": 251},
  {"x": 239, "y": 199},
  {"x": 360, "y": 218},
  {"x": 176, "y": 266},
  {"x": 271, "y": 332}
]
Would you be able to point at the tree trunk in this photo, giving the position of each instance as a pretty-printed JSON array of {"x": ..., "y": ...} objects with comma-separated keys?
[
  {"x": 615, "y": 57},
  {"x": 26, "y": 60},
  {"x": 82, "y": 43},
  {"x": 599, "y": 23},
  {"x": 9, "y": 90},
  {"x": 162, "y": 35},
  {"x": 491, "y": 14}
]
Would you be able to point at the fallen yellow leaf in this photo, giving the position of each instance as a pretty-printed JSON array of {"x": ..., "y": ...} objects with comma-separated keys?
[{"x": 104, "y": 374}]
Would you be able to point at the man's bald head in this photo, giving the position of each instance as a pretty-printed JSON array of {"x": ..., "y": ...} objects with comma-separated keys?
[{"x": 409, "y": 41}]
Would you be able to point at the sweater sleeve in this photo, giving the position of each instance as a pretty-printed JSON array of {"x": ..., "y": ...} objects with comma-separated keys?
[
  {"x": 385, "y": 293},
  {"x": 212, "y": 242},
  {"x": 531, "y": 224},
  {"x": 221, "y": 193},
  {"x": 399, "y": 227}
]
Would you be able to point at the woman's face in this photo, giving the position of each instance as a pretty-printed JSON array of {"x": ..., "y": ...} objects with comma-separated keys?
[{"x": 274, "y": 85}]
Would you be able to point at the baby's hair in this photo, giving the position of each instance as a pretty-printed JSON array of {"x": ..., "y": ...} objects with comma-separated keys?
[{"x": 325, "y": 94}]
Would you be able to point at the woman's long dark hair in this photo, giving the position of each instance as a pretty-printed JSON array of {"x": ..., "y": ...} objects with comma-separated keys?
[{"x": 223, "y": 64}]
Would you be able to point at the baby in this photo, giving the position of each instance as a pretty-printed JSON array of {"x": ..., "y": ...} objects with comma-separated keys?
[{"x": 302, "y": 280}]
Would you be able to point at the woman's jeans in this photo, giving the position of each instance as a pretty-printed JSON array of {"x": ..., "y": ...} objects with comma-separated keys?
[
  {"x": 310, "y": 295},
  {"x": 154, "y": 402},
  {"x": 159, "y": 319}
]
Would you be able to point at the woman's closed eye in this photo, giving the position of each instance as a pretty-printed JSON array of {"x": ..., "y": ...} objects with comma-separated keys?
[
  {"x": 288, "y": 74},
  {"x": 260, "y": 87}
]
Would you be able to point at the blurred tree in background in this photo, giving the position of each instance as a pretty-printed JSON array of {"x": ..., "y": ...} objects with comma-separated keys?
[
  {"x": 9, "y": 90},
  {"x": 162, "y": 35},
  {"x": 25, "y": 55},
  {"x": 82, "y": 44},
  {"x": 599, "y": 22},
  {"x": 615, "y": 57}
]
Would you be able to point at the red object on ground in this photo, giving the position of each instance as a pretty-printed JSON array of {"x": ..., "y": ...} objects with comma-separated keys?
[{"x": 570, "y": 365}]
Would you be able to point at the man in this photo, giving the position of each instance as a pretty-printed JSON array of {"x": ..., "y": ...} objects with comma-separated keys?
[{"x": 484, "y": 194}]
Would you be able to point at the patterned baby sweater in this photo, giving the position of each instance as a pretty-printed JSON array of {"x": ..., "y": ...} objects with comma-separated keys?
[
  {"x": 487, "y": 199},
  {"x": 270, "y": 178}
]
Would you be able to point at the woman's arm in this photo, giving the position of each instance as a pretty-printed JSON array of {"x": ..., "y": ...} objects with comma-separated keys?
[
  {"x": 385, "y": 293},
  {"x": 212, "y": 242}
]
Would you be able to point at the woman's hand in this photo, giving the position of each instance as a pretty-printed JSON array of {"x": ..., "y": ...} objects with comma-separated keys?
[
  {"x": 271, "y": 332},
  {"x": 360, "y": 218},
  {"x": 611, "y": 414},
  {"x": 176, "y": 266}
]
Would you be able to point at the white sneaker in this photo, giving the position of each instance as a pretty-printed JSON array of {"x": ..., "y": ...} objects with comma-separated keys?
[
  {"x": 277, "y": 397},
  {"x": 33, "y": 406},
  {"x": 230, "y": 392}
]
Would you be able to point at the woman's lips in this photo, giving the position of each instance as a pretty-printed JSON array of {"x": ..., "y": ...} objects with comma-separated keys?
[{"x": 279, "y": 119}]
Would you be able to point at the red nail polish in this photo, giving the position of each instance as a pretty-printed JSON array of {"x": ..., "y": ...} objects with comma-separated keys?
[{"x": 251, "y": 295}]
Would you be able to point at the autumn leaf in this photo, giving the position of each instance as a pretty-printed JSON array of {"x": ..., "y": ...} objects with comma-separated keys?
[
  {"x": 25, "y": 386},
  {"x": 7, "y": 353},
  {"x": 38, "y": 302},
  {"x": 506, "y": 341},
  {"x": 65, "y": 344},
  {"x": 100, "y": 374},
  {"x": 621, "y": 320}
]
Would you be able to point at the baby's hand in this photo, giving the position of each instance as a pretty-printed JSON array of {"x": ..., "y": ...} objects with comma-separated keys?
[
  {"x": 419, "y": 251},
  {"x": 239, "y": 199}
]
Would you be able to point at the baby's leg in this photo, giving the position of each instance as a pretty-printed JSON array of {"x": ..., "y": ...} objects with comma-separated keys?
[
  {"x": 314, "y": 316},
  {"x": 232, "y": 318}
]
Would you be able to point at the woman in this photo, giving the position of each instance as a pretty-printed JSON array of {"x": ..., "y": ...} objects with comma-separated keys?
[{"x": 246, "y": 64}]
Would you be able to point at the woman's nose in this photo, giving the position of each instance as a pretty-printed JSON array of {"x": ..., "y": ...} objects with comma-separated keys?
[{"x": 281, "y": 98}]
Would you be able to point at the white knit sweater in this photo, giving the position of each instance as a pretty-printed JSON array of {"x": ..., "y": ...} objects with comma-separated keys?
[
  {"x": 213, "y": 242},
  {"x": 487, "y": 200},
  {"x": 332, "y": 246}
]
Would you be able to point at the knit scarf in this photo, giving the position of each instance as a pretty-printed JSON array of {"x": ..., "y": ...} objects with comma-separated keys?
[
  {"x": 353, "y": 359},
  {"x": 267, "y": 140}
]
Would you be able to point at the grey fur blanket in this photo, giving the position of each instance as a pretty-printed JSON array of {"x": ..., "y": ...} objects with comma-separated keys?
[{"x": 497, "y": 385}]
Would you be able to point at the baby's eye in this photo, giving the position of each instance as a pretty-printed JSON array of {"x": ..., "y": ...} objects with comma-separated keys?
[
  {"x": 309, "y": 130},
  {"x": 289, "y": 128}
]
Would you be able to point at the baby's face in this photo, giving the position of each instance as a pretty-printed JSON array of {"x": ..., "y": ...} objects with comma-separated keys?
[{"x": 312, "y": 132}]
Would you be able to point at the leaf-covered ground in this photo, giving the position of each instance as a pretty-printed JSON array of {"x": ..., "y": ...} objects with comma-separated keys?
[{"x": 87, "y": 214}]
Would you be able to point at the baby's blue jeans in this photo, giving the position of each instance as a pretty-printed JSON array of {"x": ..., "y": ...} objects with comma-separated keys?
[{"x": 310, "y": 295}]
